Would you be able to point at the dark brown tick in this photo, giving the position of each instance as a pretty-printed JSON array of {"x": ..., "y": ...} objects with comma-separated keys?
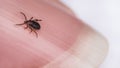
[{"x": 32, "y": 24}]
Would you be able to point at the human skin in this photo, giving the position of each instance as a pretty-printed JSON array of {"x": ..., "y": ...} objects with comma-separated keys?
[{"x": 63, "y": 40}]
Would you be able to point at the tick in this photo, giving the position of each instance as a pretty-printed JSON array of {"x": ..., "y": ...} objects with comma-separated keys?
[{"x": 32, "y": 24}]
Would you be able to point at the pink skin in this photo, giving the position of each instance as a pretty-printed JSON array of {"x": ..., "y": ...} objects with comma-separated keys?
[{"x": 21, "y": 49}]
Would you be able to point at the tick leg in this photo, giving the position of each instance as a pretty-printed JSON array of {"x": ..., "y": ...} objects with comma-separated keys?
[
  {"x": 33, "y": 31},
  {"x": 37, "y": 20},
  {"x": 24, "y": 15},
  {"x": 31, "y": 18}
]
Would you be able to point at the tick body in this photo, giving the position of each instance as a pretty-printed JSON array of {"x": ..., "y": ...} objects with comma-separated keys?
[{"x": 32, "y": 24}]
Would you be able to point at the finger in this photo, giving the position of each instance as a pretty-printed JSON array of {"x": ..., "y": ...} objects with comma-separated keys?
[{"x": 64, "y": 40}]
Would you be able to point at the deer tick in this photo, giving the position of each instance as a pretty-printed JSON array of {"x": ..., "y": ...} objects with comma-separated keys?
[{"x": 32, "y": 24}]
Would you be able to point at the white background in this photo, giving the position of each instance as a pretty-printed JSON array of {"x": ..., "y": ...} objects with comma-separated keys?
[{"x": 104, "y": 16}]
